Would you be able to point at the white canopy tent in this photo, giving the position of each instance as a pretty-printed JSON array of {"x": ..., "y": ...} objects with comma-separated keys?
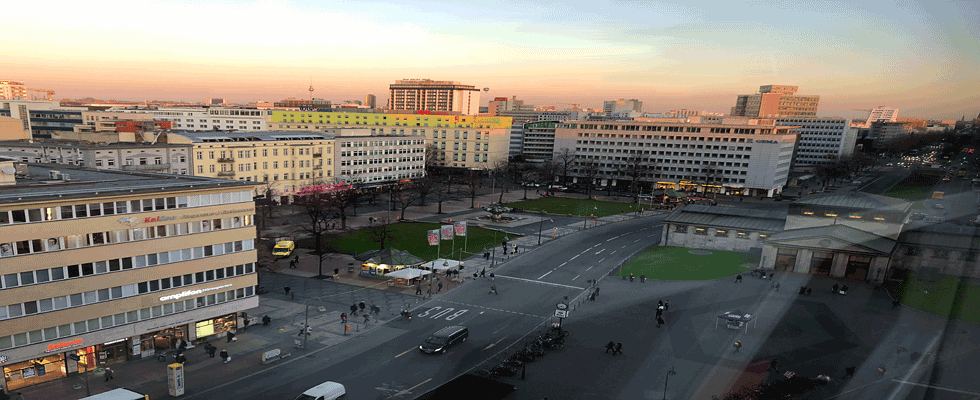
[
  {"x": 408, "y": 273},
  {"x": 442, "y": 265},
  {"x": 737, "y": 320}
]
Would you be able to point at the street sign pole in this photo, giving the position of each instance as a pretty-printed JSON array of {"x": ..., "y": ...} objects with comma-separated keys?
[{"x": 76, "y": 358}]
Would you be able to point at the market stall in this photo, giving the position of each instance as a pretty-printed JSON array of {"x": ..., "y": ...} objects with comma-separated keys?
[
  {"x": 406, "y": 276},
  {"x": 383, "y": 262},
  {"x": 736, "y": 320}
]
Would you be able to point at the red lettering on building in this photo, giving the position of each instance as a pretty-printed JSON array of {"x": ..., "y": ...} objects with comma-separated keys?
[{"x": 56, "y": 346}]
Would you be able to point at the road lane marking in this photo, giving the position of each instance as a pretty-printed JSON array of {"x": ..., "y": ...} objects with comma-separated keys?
[
  {"x": 546, "y": 274},
  {"x": 495, "y": 343},
  {"x": 903, "y": 381},
  {"x": 406, "y": 352},
  {"x": 576, "y": 277},
  {"x": 603, "y": 259},
  {"x": 600, "y": 251},
  {"x": 590, "y": 267},
  {"x": 541, "y": 282},
  {"x": 491, "y": 308},
  {"x": 409, "y": 390},
  {"x": 563, "y": 264},
  {"x": 576, "y": 256}
]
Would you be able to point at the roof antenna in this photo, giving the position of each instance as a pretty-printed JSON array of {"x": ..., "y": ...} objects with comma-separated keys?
[{"x": 311, "y": 88}]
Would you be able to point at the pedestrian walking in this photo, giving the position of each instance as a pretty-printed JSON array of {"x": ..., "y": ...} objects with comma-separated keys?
[
  {"x": 660, "y": 312},
  {"x": 771, "y": 275},
  {"x": 492, "y": 277},
  {"x": 737, "y": 346},
  {"x": 108, "y": 374},
  {"x": 343, "y": 317},
  {"x": 667, "y": 305},
  {"x": 843, "y": 290},
  {"x": 292, "y": 264},
  {"x": 660, "y": 304},
  {"x": 738, "y": 278},
  {"x": 849, "y": 372},
  {"x": 440, "y": 284},
  {"x": 367, "y": 317},
  {"x": 286, "y": 289},
  {"x": 835, "y": 289},
  {"x": 808, "y": 291},
  {"x": 266, "y": 320},
  {"x": 880, "y": 373},
  {"x": 375, "y": 309},
  {"x": 773, "y": 364},
  {"x": 296, "y": 259},
  {"x": 418, "y": 288},
  {"x": 775, "y": 286},
  {"x": 611, "y": 347},
  {"x": 231, "y": 336},
  {"x": 660, "y": 321},
  {"x": 493, "y": 289},
  {"x": 181, "y": 359},
  {"x": 895, "y": 304},
  {"x": 336, "y": 271},
  {"x": 619, "y": 348},
  {"x": 245, "y": 322},
  {"x": 210, "y": 349},
  {"x": 362, "y": 306},
  {"x": 483, "y": 273},
  {"x": 631, "y": 277},
  {"x": 428, "y": 292},
  {"x": 224, "y": 356},
  {"x": 802, "y": 289},
  {"x": 353, "y": 309}
]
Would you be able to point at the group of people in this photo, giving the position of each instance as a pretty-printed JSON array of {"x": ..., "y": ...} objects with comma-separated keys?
[
  {"x": 837, "y": 289},
  {"x": 614, "y": 347}
]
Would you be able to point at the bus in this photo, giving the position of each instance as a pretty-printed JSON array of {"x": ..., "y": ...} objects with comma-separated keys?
[{"x": 118, "y": 394}]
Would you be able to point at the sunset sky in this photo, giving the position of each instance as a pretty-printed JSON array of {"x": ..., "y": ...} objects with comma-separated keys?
[{"x": 918, "y": 56}]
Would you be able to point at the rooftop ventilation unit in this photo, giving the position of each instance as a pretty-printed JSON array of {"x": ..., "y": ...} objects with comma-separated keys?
[{"x": 54, "y": 174}]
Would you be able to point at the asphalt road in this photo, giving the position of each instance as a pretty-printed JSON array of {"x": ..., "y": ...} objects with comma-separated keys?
[{"x": 386, "y": 362}]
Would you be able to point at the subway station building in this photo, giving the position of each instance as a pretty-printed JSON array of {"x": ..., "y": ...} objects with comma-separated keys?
[{"x": 114, "y": 266}]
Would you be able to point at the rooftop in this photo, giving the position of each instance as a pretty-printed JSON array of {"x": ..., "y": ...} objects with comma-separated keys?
[
  {"x": 729, "y": 217},
  {"x": 855, "y": 200},
  {"x": 38, "y": 184},
  {"x": 251, "y": 136},
  {"x": 841, "y": 233}
]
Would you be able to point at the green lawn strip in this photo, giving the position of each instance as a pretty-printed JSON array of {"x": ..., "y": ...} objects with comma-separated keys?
[
  {"x": 945, "y": 297},
  {"x": 910, "y": 193},
  {"x": 678, "y": 264},
  {"x": 576, "y": 207},
  {"x": 411, "y": 237}
]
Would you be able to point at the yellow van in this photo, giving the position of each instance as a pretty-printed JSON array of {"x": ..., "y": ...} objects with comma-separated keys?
[{"x": 283, "y": 248}]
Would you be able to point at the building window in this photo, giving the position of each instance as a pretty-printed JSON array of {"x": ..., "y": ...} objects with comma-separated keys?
[
  {"x": 680, "y": 228},
  {"x": 721, "y": 233},
  {"x": 701, "y": 231},
  {"x": 742, "y": 235},
  {"x": 940, "y": 254},
  {"x": 911, "y": 251}
]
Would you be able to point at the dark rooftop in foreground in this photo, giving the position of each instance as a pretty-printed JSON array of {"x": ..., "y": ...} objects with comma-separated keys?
[
  {"x": 729, "y": 217},
  {"x": 860, "y": 200},
  {"x": 40, "y": 184}
]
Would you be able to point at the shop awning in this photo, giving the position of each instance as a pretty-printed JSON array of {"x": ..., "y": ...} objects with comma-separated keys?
[{"x": 442, "y": 265}]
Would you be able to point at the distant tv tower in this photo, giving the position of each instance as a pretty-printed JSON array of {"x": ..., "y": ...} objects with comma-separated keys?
[{"x": 311, "y": 89}]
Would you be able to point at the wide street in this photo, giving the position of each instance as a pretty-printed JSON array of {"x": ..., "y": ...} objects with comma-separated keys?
[{"x": 387, "y": 361}]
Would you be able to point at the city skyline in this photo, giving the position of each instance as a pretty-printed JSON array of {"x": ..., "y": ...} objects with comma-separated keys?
[{"x": 917, "y": 57}]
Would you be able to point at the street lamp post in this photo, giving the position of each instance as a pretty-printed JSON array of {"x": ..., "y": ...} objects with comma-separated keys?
[
  {"x": 540, "y": 225},
  {"x": 666, "y": 378}
]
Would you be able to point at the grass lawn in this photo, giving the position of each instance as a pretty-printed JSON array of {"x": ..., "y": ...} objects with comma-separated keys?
[
  {"x": 412, "y": 238},
  {"x": 678, "y": 264},
  {"x": 914, "y": 187},
  {"x": 946, "y": 297},
  {"x": 577, "y": 207}
]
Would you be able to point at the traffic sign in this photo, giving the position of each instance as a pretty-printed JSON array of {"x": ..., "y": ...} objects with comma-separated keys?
[
  {"x": 561, "y": 313},
  {"x": 562, "y": 306}
]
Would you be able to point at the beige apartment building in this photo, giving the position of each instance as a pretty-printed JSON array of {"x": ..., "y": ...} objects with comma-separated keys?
[
  {"x": 370, "y": 160},
  {"x": 116, "y": 266},
  {"x": 464, "y": 141},
  {"x": 283, "y": 162},
  {"x": 776, "y": 101},
  {"x": 13, "y": 129},
  {"x": 430, "y": 95}
]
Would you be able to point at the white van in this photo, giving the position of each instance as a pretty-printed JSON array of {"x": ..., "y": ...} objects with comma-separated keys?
[{"x": 324, "y": 391}]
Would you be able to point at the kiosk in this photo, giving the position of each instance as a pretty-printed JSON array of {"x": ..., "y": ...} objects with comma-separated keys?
[{"x": 736, "y": 320}]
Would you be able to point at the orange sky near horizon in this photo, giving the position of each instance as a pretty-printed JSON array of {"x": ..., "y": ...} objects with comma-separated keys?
[{"x": 920, "y": 58}]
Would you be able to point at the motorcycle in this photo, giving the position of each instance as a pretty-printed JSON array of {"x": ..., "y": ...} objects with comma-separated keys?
[{"x": 407, "y": 315}]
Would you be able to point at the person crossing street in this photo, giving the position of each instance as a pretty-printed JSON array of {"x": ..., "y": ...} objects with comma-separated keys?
[{"x": 493, "y": 289}]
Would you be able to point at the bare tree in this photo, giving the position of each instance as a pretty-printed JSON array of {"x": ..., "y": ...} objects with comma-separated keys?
[
  {"x": 434, "y": 158},
  {"x": 317, "y": 222},
  {"x": 473, "y": 182},
  {"x": 709, "y": 174},
  {"x": 343, "y": 203},
  {"x": 264, "y": 194},
  {"x": 587, "y": 169},
  {"x": 565, "y": 160},
  {"x": 547, "y": 172},
  {"x": 403, "y": 196},
  {"x": 424, "y": 186},
  {"x": 635, "y": 168},
  {"x": 442, "y": 190},
  {"x": 380, "y": 230}
]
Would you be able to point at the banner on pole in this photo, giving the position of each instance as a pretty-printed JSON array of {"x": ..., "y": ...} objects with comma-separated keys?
[
  {"x": 460, "y": 228},
  {"x": 434, "y": 237},
  {"x": 447, "y": 232}
]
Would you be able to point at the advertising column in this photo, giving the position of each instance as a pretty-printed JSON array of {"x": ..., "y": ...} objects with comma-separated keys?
[{"x": 175, "y": 379}]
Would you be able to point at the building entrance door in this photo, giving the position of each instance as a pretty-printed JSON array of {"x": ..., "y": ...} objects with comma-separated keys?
[
  {"x": 786, "y": 259},
  {"x": 857, "y": 267},
  {"x": 821, "y": 263}
]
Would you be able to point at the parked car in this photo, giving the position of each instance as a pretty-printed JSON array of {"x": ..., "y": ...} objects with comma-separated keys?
[{"x": 324, "y": 391}]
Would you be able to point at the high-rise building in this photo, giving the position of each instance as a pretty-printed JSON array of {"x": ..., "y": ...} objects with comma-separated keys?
[
  {"x": 499, "y": 105},
  {"x": 882, "y": 114},
  {"x": 430, "y": 95},
  {"x": 42, "y": 118},
  {"x": 822, "y": 139},
  {"x": 614, "y": 107},
  {"x": 775, "y": 101},
  {"x": 371, "y": 101},
  {"x": 12, "y": 90},
  {"x": 539, "y": 140},
  {"x": 105, "y": 267}
]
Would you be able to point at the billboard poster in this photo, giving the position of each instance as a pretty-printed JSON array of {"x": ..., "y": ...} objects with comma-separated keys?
[
  {"x": 434, "y": 237},
  {"x": 447, "y": 232},
  {"x": 460, "y": 228}
]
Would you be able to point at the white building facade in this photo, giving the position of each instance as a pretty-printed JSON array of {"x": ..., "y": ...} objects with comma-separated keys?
[
  {"x": 204, "y": 119},
  {"x": 821, "y": 140}
]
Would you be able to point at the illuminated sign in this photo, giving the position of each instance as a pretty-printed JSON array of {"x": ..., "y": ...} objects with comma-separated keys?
[
  {"x": 56, "y": 346},
  {"x": 158, "y": 219},
  {"x": 191, "y": 293},
  {"x": 3, "y": 359}
]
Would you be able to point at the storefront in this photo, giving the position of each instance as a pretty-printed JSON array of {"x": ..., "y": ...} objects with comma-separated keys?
[
  {"x": 162, "y": 340},
  {"x": 112, "y": 352},
  {"x": 48, "y": 368},
  {"x": 216, "y": 326}
]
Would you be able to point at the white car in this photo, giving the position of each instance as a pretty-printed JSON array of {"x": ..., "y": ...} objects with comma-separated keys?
[
  {"x": 324, "y": 391},
  {"x": 938, "y": 206}
]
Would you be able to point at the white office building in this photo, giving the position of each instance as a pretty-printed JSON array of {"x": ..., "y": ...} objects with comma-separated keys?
[
  {"x": 822, "y": 139},
  {"x": 208, "y": 119}
]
